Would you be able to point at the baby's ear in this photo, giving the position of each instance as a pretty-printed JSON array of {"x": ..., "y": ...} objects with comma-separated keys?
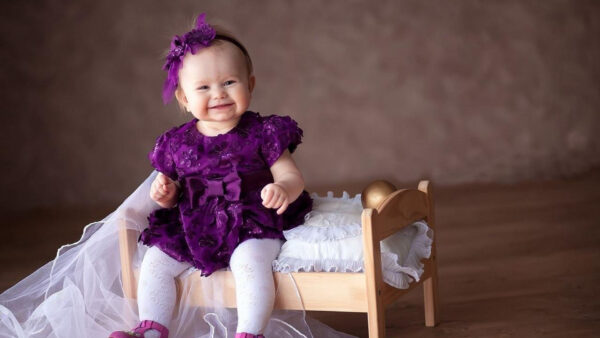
[
  {"x": 180, "y": 96},
  {"x": 251, "y": 83}
]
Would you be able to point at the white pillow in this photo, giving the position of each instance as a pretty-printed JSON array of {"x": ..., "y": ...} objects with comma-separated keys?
[
  {"x": 331, "y": 240},
  {"x": 332, "y": 218}
]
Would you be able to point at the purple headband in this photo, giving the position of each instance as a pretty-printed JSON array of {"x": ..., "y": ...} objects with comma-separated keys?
[{"x": 198, "y": 38}]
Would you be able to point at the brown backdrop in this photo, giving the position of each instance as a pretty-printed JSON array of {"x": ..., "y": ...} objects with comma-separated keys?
[{"x": 461, "y": 91}]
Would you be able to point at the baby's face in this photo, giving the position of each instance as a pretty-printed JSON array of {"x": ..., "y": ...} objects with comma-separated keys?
[{"x": 215, "y": 83}]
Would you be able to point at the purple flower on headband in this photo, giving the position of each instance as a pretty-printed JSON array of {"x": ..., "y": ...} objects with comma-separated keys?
[
  {"x": 198, "y": 38},
  {"x": 177, "y": 51}
]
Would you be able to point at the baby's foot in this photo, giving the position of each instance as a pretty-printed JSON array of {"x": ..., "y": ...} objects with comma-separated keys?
[
  {"x": 151, "y": 334},
  {"x": 146, "y": 329},
  {"x": 132, "y": 334}
]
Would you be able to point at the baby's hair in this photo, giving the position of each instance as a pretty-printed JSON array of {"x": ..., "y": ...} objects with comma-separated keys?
[{"x": 223, "y": 35}]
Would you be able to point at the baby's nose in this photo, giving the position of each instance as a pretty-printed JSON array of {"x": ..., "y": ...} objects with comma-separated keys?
[{"x": 219, "y": 93}]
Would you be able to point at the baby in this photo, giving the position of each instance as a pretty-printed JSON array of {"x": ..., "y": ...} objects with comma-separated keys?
[{"x": 227, "y": 185}]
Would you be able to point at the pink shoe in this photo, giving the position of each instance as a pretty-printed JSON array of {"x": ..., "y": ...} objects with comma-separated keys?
[
  {"x": 142, "y": 327},
  {"x": 248, "y": 335}
]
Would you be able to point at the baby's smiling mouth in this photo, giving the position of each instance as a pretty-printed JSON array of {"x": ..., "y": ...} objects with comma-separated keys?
[{"x": 221, "y": 106}]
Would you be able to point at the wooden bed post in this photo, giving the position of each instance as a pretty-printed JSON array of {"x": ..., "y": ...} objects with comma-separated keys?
[
  {"x": 430, "y": 285},
  {"x": 373, "y": 276},
  {"x": 127, "y": 247}
]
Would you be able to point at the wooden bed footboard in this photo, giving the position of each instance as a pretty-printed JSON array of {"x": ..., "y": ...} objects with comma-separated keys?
[
  {"x": 331, "y": 291},
  {"x": 398, "y": 210}
]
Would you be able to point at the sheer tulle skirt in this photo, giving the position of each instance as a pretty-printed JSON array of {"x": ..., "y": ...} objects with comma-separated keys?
[{"x": 79, "y": 293}]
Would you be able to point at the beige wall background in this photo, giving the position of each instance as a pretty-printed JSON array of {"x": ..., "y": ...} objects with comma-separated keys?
[{"x": 454, "y": 91}]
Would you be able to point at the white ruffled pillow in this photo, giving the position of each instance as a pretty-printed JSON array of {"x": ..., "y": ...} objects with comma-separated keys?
[
  {"x": 331, "y": 240},
  {"x": 331, "y": 219}
]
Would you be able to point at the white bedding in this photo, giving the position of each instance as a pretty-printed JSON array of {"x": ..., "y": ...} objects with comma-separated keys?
[{"x": 330, "y": 240}]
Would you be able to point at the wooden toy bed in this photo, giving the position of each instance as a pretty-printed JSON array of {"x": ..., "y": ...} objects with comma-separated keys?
[{"x": 334, "y": 291}]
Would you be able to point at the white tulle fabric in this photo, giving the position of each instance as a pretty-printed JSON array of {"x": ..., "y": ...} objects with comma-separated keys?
[
  {"x": 79, "y": 293},
  {"x": 331, "y": 240}
]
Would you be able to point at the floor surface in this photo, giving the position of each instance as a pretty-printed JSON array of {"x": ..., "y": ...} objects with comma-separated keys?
[{"x": 514, "y": 261}]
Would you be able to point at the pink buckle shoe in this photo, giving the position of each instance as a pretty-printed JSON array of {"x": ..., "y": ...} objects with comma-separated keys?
[
  {"x": 142, "y": 327},
  {"x": 248, "y": 335}
]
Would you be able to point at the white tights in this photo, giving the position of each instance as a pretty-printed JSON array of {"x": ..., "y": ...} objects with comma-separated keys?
[{"x": 252, "y": 270}]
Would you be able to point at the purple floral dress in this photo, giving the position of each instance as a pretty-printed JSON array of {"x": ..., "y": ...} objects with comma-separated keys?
[{"x": 221, "y": 177}]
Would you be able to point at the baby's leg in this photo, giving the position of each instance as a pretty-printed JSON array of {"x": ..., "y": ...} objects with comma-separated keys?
[
  {"x": 251, "y": 264},
  {"x": 156, "y": 290}
]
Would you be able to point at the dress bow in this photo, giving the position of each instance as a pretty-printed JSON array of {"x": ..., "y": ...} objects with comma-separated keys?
[{"x": 200, "y": 188}]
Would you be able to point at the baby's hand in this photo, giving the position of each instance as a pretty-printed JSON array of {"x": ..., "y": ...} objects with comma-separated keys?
[
  {"x": 164, "y": 191},
  {"x": 274, "y": 196}
]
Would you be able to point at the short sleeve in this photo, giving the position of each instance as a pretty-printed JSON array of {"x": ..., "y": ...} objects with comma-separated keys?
[
  {"x": 279, "y": 133},
  {"x": 161, "y": 156}
]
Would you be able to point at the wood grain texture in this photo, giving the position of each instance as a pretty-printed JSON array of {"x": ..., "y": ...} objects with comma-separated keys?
[
  {"x": 127, "y": 246},
  {"x": 430, "y": 278}
]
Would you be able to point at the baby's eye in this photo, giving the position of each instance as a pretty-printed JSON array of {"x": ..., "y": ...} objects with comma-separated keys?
[
  {"x": 202, "y": 87},
  {"x": 229, "y": 82}
]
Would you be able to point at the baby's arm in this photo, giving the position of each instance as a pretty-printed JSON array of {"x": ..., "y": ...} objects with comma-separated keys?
[
  {"x": 287, "y": 186},
  {"x": 164, "y": 191}
]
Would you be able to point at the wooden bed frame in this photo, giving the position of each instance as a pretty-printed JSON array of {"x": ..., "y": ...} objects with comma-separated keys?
[{"x": 333, "y": 291}]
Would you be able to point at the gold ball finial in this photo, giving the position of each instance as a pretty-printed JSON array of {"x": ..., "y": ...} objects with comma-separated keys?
[{"x": 375, "y": 193}]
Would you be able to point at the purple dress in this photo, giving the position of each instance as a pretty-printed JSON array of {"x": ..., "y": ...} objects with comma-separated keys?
[{"x": 221, "y": 178}]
